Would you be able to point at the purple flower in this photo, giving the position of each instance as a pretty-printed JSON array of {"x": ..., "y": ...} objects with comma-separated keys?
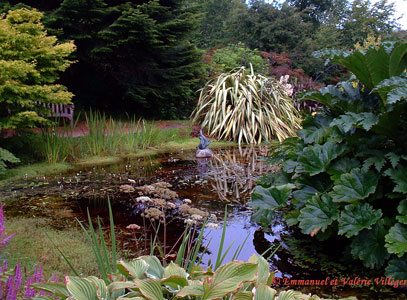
[{"x": 4, "y": 239}]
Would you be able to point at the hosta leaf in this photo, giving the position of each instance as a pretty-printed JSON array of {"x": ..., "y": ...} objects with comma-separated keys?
[
  {"x": 264, "y": 292},
  {"x": 396, "y": 239},
  {"x": 175, "y": 276},
  {"x": 243, "y": 296},
  {"x": 55, "y": 288},
  {"x": 402, "y": 210},
  {"x": 353, "y": 186},
  {"x": 347, "y": 121},
  {"x": 228, "y": 278},
  {"x": 397, "y": 268},
  {"x": 341, "y": 166},
  {"x": 195, "y": 288},
  {"x": 150, "y": 288},
  {"x": 368, "y": 246},
  {"x": 316, "y": 159},
  {"x": 81, "y": 289},
  {"x": 271, "y": 198},
  {"x": 356, "y": 217},
  {"x": 100, "y": 285},
  {"x": 155, "y": 269},
  {"x": 263, "y": 271},
  {"x": 318, "y": 214},
  {"x": 399, "y": 177},
  {"x": 135, "y": 268}
]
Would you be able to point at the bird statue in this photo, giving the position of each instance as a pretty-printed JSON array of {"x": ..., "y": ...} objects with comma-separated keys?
[{"x": 202, "y": 149}]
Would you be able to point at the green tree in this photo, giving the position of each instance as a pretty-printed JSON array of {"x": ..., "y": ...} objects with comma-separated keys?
[
  {"x": 30, "y": 63},
  {"x": 135, "y": 55}
]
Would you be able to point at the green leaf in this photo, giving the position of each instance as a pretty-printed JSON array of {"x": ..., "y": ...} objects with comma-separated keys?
[
  {"x": 81, "y": 289},
  {"x": 341, "y": 166},
  {"x": 347, "y": 121},
  {"x": 316, "y": 130},
  {"x": 316, "y": 159},
  {"x": 271, "y": 198},
  {"x": 100, "y": 285},
  {"x": 155, "y": 269},
  {"x": 402, "y": 210},
  {"x": 399, "y": 177},
  {"x": 353, "y": 186},
  {"x": 397, "y": 94},
  {"x": 264, "y": 292},
  {"x": 228, "y": 278},
  {"x": 243, "y": 296},
  {"x": 356, "y": 217},
  {"x": 174, "y": 276},
  {"x": 263, "y": 271},
  {"x": 368, "y": 246},
  {"x": 396, "y": 239},
  {"x": 397, "y": 268},
  {"x": 377, "y": 161},
  {"x": 55, "y": 288},
  {"x": 150, "y": 288},
  {"x": 195, "y": 288},
  {"x": 393, "y": 158},
  {"x": 135, "y": 268},
  {"x": 318, "y": 214}
]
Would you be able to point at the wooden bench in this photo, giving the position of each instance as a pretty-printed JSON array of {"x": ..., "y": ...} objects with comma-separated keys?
[{"x": 60, "y": 110}]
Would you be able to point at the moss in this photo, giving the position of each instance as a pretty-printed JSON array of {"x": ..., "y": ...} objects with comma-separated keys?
[
  {"x": 97, "y": 160},
  {"x": 31, "y": 246},
  {"x": 34, "y": 170}
]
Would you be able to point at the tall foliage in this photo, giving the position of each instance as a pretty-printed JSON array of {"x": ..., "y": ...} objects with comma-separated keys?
[
  {"x": 246, "y": 108},
  {"x": 30, "y": 62},
  {"x": 139, "y": 54},
  {"x": 345, "y": 173}
]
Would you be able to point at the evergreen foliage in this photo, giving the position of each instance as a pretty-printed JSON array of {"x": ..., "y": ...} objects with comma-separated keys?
[
  {"x": 140, "y": 51},
  {"x": 30, "y": 62}
]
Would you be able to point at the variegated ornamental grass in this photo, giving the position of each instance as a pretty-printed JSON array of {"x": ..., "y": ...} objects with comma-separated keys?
[{"x": 246, "y": 108}]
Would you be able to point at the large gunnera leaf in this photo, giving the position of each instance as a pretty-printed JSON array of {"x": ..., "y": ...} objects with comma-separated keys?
[
  {"x": 272, "y": 197},
  {"x": 368, "y": 246},
  {"x": 356, "y": 217},
  {"x": 353, "y": 186},
  {"x": 397, "y": 268},
  {"x": 341, "y": 166},
  {"x": 318, "y": 214},
  {"x": 316, "y": 159},
  {"x": 396, "y": 239},
  {"x": 365, "y": 120},
  {"x": 316, "y": 130},
  {"x": 402, "y": 210},
  {"x": 399, "y": 177}
]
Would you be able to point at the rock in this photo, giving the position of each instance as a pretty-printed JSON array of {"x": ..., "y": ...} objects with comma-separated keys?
[{"x": 204, "y": 153}]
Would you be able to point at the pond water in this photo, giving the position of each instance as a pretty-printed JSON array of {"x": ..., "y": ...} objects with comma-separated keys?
[{"x": 204, "y": 184}]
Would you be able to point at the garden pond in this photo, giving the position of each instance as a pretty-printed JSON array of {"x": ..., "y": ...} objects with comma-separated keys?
[{"x": 195, "y": 189}]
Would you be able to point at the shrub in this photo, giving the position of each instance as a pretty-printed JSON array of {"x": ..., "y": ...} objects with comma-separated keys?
[
  {"x": 146, "y": 278},
  {"x": 345, "y": 174},
  {"x": 246, "y": 108}
]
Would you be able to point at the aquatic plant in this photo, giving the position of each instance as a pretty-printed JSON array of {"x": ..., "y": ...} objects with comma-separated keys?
[
  {"x": 246, "y": 108},
  {"x": 145, "y": 278},
  {"x": 346, "y": 172}
]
